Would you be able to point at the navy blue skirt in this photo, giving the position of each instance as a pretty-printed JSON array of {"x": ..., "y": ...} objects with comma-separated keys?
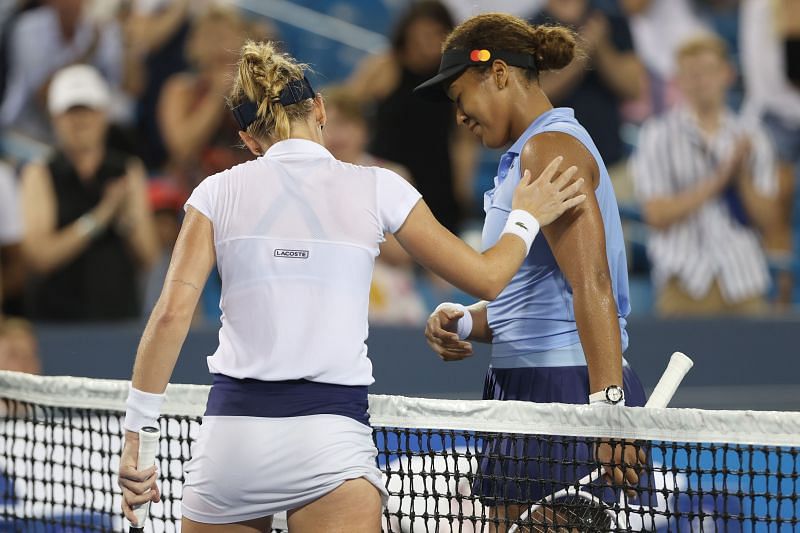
[{"x": 525, "y": 469}]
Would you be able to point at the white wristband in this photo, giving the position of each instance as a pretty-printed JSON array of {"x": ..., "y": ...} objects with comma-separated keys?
[
  {"x": 88, "y": 225},
  {"x": 142, "y": 409},
  {"x": 523, "y": 225},
  {"x": 620, "y": 403},
  {"x": 464, "y": 324}
]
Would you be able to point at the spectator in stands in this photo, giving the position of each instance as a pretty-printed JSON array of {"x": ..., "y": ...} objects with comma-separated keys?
[
  {"x": 155, "y": 35},
  {"x": 393, "y": 297},
  {"x": 597, "y": 83},
  {"x": 12, "y": 269},
  {"x": 200, "y": 135},
  {"x": 707, "y": 183},
  {"x": 419, "y": 135},
  {"x": 166, "y": 201},
  {"x": 42, "y": 41},
  {"x": 768, "y": 31},
  {"x": 659, "y": 27},
  {"x": 88, "y": 231}
]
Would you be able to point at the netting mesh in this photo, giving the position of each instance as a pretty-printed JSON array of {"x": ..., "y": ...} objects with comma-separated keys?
[{"x": 448, "y": 465}]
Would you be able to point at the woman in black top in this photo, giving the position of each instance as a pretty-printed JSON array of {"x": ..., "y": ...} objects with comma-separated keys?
[
  {"x": 88, "y": 228},
  {"x": 440, "y": 158}
]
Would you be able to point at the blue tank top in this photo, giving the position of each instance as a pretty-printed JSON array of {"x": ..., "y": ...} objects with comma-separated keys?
[{"x": 535, "y": 312}]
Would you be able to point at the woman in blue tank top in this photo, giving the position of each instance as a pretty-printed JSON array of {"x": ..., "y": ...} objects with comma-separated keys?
[{"x": 558, "y": 330}]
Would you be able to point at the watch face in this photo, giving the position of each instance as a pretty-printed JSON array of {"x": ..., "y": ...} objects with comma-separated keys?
[{"x": 614, "y": 394}]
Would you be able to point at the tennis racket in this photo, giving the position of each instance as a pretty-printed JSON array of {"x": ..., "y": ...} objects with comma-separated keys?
[
  {"x": 580, "y": 509},
  {"x": 148, "y": 446}
]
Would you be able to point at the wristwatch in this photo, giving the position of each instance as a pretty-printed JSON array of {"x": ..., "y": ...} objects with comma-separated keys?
[{"x": 612, "y": 395}]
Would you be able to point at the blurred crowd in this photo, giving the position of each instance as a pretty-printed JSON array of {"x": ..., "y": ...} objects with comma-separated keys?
[{"x": 111, "y": 111}]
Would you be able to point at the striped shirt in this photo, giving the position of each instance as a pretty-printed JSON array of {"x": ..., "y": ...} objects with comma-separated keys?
[{"x": 714, "y": 242}]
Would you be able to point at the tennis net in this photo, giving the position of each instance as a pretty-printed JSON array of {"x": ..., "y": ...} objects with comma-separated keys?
[{"x": 448, "y": 465}]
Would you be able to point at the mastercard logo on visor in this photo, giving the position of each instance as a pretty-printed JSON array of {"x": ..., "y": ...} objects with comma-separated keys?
[{"x": 480, "y": 56}]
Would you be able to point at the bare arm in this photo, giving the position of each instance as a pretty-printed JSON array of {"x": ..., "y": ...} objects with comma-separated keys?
[
  {"x": 187, "y": 128},
  {"x": 192, "y": 260},
  {"x": 150, "y": 31},
  {"x": 480, "y": 322},
  {"x": 13, "y": 271},
  {"x": 622, "y": 71},
  {"x": 375, "y": 77},
  {"x": 557, "y": 84},
  {"x": 137, "y": 222},
  {"x": 665, "y": 211},
  {"x": 578, "y": 243},
  {"x": 464, "y": 150},
  {"x": 45, "y": 247},
  {"x": 434, "y": 247},
  {"x": 486, "y": 274},
  {"x": 634, "y": 7},
  {"x": 392, "y": 253}
]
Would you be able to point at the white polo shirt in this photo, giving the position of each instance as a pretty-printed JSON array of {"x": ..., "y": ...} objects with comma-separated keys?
[{"x": 296, "y": 234}]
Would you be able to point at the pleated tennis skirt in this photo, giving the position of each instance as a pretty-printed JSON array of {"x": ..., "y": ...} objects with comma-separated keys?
[
  {"x": 525, "y": 469},
  {"x": 244, "y": 468}
]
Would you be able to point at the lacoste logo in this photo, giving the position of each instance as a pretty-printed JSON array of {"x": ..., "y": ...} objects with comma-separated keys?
[
  {"x": 521, "y": 225},
  {"x": 291, "y": 254}
]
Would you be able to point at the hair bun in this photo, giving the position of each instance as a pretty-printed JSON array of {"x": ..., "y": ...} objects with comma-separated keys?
[
  {"x": 555, "y": 47},
  {"x": 263, "y": 72}
]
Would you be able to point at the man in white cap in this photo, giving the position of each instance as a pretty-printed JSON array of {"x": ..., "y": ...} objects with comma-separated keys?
[{"x": 88, "y": 228}]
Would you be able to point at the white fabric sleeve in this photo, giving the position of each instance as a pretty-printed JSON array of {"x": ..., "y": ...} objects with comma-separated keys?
[
  {"x": 202, "y": 198},
  {"x": 10, "y": 216},
  {"x": 395, "y": 200},
  {"x": 763, "y": 163}
]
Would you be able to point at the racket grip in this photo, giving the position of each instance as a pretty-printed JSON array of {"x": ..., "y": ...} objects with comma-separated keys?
[
  {"x": 679, "y": 365},
  {"x": 148, "y": 446}
]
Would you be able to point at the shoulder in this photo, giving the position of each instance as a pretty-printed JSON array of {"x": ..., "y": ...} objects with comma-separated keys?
[
  {"x": 545, "y": 146},
  {"x": 361, "y": 175},
  {"x": 390, "y": 181},
  {"x": 542, "y": 148},
  {"x": 36, "y": 181}
]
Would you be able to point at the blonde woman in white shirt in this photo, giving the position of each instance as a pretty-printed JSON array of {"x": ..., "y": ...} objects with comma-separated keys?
[{"x": 295, "y": 234}]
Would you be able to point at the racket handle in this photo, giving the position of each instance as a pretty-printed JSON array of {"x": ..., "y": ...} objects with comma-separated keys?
[
  {"x": 679, "y": 365},
  {"x": 148, "y": 446}
]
